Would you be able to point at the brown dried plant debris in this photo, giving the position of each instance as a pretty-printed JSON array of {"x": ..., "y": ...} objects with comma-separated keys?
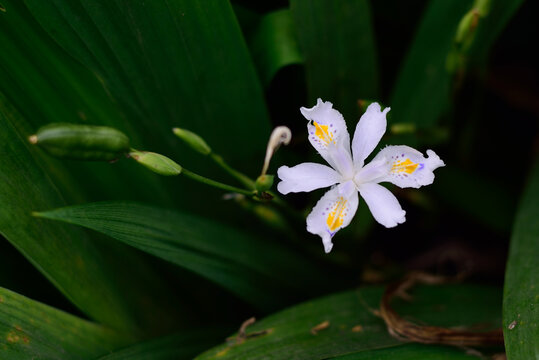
[
  {"x": 243, "y": 335},
  {"x": 425, "y": 334}
]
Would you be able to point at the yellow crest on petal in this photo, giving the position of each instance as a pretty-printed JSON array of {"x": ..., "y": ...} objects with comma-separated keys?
[
  {"x": 323, "y": 133},
  {"x": 337, "y": 213},
  {"x": 406, "y": 166}
]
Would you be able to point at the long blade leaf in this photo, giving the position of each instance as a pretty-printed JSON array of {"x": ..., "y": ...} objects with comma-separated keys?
[
  {"x": 521, "y": 293},
  {"x": 332, "y": 36},
  {"x": 250, "y": 267},
  {"x": 85, "y": 270},
  {"x": 351, "y": 326},
  {"x": 31, "y": 330}
]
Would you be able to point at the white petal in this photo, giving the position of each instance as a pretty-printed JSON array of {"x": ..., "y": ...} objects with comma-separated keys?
[
  {"x": 333, "y": 212},
  {"x": 305, "y": 177},
  {"x": 383, "y": 205},
  {"x": 369, "y": 130},
  {"x": 373, "y": 171},
  {"x": 329, "y": 136},
  {"x": 407, "y": 167}
]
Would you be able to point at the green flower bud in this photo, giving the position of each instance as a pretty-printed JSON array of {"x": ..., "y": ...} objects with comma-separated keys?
[
  {"x": 264, "y": 183},
  {"x": 467, "y": 25},
  {"x": 157, "y": 163},
  {"x": 193, "y": 140},
  {"x": 81, "y": 142}
]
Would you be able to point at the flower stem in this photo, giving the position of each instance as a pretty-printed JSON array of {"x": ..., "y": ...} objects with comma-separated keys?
[
  {"x": 244, "y": 179},
  {"x": 216, "y": 184}
]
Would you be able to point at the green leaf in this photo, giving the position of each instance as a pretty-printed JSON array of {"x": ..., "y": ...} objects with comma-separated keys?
[
  {"x": 337, "y": 42},
  {"x": 166, "y": 64},
  {"x": 182, "y": 346},
  {"x": 85, "y": 270},
  {"x": 274, "y": 45},
  {"x": 289, "y": 333},
  {"x": 421, "y": 92},
  {"x": 521, "y": 291},
  {"x": 31, "y": 330},
  {"x": 490, "y": 27},
  {"x": 58, "y": 89},
  {"x": 252, "y": 268}
]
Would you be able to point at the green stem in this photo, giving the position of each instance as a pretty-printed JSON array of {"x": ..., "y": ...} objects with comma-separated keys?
[
  {"x": 216, "y": 184},
  {"x": 244, "y": 179}
]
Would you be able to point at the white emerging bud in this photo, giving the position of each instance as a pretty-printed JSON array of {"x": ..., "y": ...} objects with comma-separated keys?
[{"x": 279, "y": 135}]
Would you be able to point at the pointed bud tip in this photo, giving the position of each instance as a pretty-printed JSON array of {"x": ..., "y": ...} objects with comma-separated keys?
[
  {"x": 157, "y": 163},
  {"x": 193, "y": 140},
  {"x": 32, "y": 139}
]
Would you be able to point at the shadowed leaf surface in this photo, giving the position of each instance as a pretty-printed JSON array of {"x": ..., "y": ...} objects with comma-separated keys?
[
  {"x": 249, "y": 266},
  {"x": 31, "y": 330},
  {"x": 521, "y": 291},
  {"x": 352, "y": 326}
]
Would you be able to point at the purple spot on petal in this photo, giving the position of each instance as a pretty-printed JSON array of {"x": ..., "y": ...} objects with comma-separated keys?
[
  {"x": 421, "y": 166},
  {"x": 402, "y": 155}
]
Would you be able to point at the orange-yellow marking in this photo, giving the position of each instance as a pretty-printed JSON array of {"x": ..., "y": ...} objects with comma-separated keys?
[
  {"x": 336, "y": 216},
  {"x": 323, "y": 133},
  {"x": 406, "y": 166}
]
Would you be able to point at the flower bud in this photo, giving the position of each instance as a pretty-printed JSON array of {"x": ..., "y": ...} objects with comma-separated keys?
[
  {"x": 193, "y": 140},
  {"x": 280, "y": 135},
  {"x": 81, "y": 142},
  {"x": 157, "y": 163},
  {"x": 264, "y": 183}
]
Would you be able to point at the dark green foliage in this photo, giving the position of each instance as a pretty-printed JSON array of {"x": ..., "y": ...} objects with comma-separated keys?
[{"x": 142, "y": 255}]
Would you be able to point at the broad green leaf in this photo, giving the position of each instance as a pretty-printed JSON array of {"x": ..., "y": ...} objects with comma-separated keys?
[
  {"x": 423, "y": 87},
  {"x": 521, "y": 291},
  {"x": 252, "y": 268},
  {"x": 31, "y": 330},
  {"x": 85, "y": 270},
  {"x": 274, "y": 45},
  {"x": 167, "y": 64},
  {"x": 45, "y": 85},
  {"x": 337, "y": 42},
  {"x": 353, "y": 329}
]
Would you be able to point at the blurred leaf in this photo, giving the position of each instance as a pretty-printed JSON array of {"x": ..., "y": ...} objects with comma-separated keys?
[
  {"x": 257, "y": 271},
  {"x": 484, "y": 199},
  {"x": 521, "y": 291},
  {"x": 182, "y": 346},
  {"x": 490, "y": 27},
  {"x": 421, "y": 92},
  {"x": 167, "y": 63},
  {"x": 274, "y": 45},
  {"x": 85, "y": 270},
  {"x": 31, "y": 330},
  {"x": 337, "y": 42},
  {"x": 423, "y": 89},
  {"x": 353, "y": 329}
]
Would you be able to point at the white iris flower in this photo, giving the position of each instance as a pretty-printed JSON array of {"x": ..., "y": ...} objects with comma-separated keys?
[{"x": 400, "y": 165}]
